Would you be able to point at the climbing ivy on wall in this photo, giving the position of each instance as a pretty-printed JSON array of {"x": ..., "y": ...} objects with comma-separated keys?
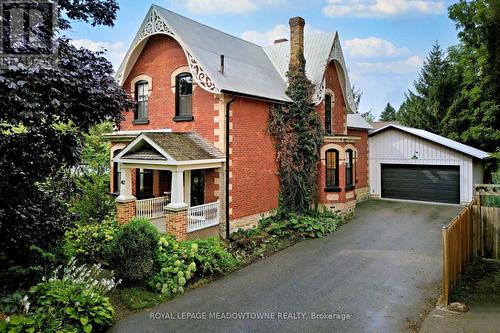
[{"x": 298, "y": 134}]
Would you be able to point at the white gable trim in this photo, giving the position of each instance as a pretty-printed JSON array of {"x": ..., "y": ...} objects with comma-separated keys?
[
  {"x": 155, "y": 24},
  {"x": 337, "y": 55},
  {"x": 142, "y": 137}
]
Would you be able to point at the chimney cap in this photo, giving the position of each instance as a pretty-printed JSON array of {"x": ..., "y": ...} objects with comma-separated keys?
[
  {"x": 281, "y": 40},
  {"x": 297, "y": 20}
]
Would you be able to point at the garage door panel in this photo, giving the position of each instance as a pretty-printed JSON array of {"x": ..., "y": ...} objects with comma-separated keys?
[{"x": 421, "y": 182}]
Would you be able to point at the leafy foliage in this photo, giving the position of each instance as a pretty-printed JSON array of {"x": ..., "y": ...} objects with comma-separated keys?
[
  {"x": 45, "y": 109},
  {"x": 389, "y": 113},
  {"x": 274, "y": 231},
  {"x": 212, "y": 258},
  {"x": 92, "y": 200},
  {"x": 368, "y": 116},
  {"x": 176, "y": 262},
  {"x": 88, "y": 242},
  {"x": 458, "y": 96},
  {"x": 73, "y": 302},
  {"x": 132, "y": 251},
  {"x": 298, "y": 137}
]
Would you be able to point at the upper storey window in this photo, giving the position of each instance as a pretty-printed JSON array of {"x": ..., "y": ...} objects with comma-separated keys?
[
  {"x": 141, "y": 97},
  {"x": 183, "y": 97},
  {"x": 328, "y": 114}
]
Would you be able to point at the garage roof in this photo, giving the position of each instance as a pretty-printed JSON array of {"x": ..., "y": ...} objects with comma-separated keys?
[{"x": 468, "y": 150}]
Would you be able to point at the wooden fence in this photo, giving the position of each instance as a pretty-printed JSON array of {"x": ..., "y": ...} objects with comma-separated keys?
[
  {"x": 487, "y": 227},
  {"x": 475, "y": 232}
]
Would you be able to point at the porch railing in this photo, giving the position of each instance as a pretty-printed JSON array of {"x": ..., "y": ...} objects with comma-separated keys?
[
  {"x": 151, "y": 208},
  {"x": 203, "y": 216}
]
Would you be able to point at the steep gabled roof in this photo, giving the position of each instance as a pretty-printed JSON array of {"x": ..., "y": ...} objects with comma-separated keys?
[
  {"x": 441, "y": 140},
  {"x": 249, "y": 69}
]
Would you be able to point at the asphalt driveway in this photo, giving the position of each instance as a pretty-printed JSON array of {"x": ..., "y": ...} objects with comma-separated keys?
[{"x": 376, "y": 274}]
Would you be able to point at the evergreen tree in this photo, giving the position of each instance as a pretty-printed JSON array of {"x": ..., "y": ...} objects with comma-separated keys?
[
  {"x": 434, "y": 91},
  {"x": 389, "y": 113}
]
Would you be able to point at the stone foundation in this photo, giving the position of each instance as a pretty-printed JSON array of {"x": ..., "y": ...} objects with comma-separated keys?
[
  {"x": 248, "y": 222},
  {"x": 204, "y": 233},
  {"x": 362, "y": 194}
]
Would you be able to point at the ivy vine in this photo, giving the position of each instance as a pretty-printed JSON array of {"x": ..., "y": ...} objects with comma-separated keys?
[{"x": 298, "y": 135}]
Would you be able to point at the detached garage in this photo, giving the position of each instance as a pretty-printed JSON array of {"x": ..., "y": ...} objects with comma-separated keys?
[{"x": 412, "y": 164}]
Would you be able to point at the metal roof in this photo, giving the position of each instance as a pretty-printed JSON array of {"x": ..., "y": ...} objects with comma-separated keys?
[
  {"x": 249, "y": 69},
  {"x": 441, "y": 140},
  {"x": 355, "y": 120},
  {"x": 316, "y": 52}
]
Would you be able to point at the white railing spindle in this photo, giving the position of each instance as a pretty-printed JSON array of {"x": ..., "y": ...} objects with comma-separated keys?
[
  {"x": 151, "y": 208},
  {"x": 203, "y": 216}
]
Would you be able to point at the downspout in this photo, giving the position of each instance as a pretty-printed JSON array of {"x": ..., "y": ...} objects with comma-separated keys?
[{"x": 228, "y": 109}]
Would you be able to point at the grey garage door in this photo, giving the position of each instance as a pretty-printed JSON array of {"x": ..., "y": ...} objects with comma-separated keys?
[{"x": 421, "y": 182}]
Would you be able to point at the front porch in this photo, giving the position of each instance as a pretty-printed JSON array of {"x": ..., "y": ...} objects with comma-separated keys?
[
  {"x": 173, "y": 180},
  {"x": 198, "y": 217}
]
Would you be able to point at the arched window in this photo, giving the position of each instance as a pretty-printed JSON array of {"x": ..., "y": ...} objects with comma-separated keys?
[
  {"x": 332, "y": 169},
  {"x": 141, "y": 97},
  {"x": 328, "y": 114},
  {"x": 348, "y": 168},
  {"x": 116, "y": 173},
  {"x": 183, "y": 97}
]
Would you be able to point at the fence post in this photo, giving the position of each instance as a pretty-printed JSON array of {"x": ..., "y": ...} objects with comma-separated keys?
[{"x": 446, "y": 284}]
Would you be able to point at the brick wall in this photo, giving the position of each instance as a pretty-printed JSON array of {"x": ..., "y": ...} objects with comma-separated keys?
[
  {"x": 362, "y": 161},
  {"x": 211, "y": 185},
  {"x": 161, "y": 56},
  {"x": 254, "y": 182},
  {"x": 338, "y": 111}
]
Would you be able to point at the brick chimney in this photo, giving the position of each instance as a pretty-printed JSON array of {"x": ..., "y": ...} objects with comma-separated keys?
[{"x": 297, "y": 61}]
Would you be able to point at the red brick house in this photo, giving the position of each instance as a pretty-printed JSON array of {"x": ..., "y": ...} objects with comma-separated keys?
[{"x": 195, "y": 154}]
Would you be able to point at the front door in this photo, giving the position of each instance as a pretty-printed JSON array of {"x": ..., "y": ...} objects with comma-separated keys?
[{"x": 197, "y": 188}]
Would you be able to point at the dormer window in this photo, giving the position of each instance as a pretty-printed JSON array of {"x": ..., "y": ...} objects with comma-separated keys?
[
  {"x": 328, "y": 114},
  {"x": 141, "y": 97},
  {"x": 183, "y": 97}
]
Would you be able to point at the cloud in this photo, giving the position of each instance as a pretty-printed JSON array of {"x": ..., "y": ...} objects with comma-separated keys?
[
  {"x": 372, "y": 47},
  {"x": 381, "y": 8},
  {"x": 227, "y": 6},
  {"x": 114, "y": 52},
  {"x": 410, "y": 65},
  {"x": 276, "y": 32}
]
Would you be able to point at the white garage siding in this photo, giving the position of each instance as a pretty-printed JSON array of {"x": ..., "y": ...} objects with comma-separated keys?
[{"x": 393, "y": 146}]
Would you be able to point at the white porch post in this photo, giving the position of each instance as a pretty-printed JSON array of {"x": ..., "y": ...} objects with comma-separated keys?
[
  {"x": 125, "y": 185},
  {"x": 177, "y": 198}
]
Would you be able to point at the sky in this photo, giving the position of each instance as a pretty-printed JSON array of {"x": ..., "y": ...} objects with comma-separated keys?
[{"x": 384, "y": 41}]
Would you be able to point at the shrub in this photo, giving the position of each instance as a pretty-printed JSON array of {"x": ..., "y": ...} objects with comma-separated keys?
[
  {"x": 74, "y": 302},
  {"x": 132, "y": 251},
  {"x": 212, "y": 258},
  {"x": 88, "y": 241},
  {"x": 176, "y": 265}
]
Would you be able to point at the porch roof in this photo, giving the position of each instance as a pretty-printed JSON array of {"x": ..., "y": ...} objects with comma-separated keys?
[{"x": 169, "y": 146}]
